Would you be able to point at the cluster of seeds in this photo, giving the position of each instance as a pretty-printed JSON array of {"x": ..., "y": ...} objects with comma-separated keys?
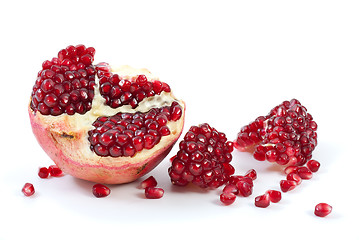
[
  {"x": 119, "y": 91},
  {"x": 125, "y": 134},
  {"x": 203, "y": 158},
  {"x": 287, "y": 135},
  {"x": 66, "y": 83}
]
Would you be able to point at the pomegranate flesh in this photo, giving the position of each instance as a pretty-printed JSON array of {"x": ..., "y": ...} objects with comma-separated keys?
[
  {"x": 100, "y": 123},
  {"x": 287, "y": 135}
]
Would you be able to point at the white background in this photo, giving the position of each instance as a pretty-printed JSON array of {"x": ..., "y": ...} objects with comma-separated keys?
[{"x": 231, "y": 61}]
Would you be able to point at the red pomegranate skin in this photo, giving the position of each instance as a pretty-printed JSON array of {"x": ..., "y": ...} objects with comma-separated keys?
[{"x": 62, "y": 146}]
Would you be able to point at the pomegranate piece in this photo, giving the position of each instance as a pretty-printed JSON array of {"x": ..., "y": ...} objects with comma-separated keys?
[
  {"x": 100, "y": 190},
  {"x": 287, "y": 135},
  {"x": 313, "y": 165},
  {"x": 304, "y": 173},
  {"x": 244, "y": 188},
  {"x": 227, "y": 198},
  {"x": 294, "y": 177},
  {"x": 287, "y": 185},
  {"x": 43, "y": 172},
  {"x": 203, "y": 158},
  {"x": 103, "y": 124},
  {"x": 262, "y": 201},
  {"x": 148, "y": 182},
  {"x": 154, "y": 193},
  {"x": 322, "y": 209},
  {"x": 290, "y": 169},
  {"x": 55, "y": 171},
  {"x": 28, "y": 189},
  {"x": 274, "y": 196}
]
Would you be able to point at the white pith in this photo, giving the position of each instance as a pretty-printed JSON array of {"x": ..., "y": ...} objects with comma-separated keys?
[{"x": 79, "y": 125}]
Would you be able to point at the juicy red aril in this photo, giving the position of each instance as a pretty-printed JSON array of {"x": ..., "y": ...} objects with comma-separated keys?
[
  {"x": 227, "y": 198},
  {"x": 55, "y": 171},
  {"x": 304, "y": 173},
  {"x": 274, "y": 196},
  {"x": 287, "y": 135},
  {"x": 66, "y": 83},
  {"x": 100, "y": 190},
  {"x": 125, "y": 134},
  {"x": 290, "y": 169},
  {"x": 43, "y": 172},
  {"x": 322, "y": 209},
  {"x": 244, "y": 188},
  {"x": 230, "y": 188},
  {"x": 287, "y": 185},
  {"x": 154, "y": 193},
  {"x": 119, "y": 91},
  {"x": 294, "y": 177},
  {"x": 203, "y": 158},
  {"x": 148, "y": 182},
  {"x": 251, "y": 174},
  {"x": 313, "y": 165},
  {"x": 28, "y": 189},
  {"x": 262, "y": 201}
]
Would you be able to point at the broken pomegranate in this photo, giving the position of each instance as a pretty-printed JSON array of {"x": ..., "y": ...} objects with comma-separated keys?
[
  {"x": 287, "y": 135},
  {"x": 203, "y": 158},
  {"x": 99, "y": 123}
]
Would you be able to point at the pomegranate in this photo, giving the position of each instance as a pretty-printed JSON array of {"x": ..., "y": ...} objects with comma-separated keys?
[
  {"x": 287, "y": 135},
  {"x": 322, "y": 209},
  {"x": 203, "y": 158},
  {"x": 28, "y": 189},
  {"x": 100, "y": 123}
]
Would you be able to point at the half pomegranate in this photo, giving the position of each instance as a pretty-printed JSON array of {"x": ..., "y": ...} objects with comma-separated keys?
[
  {"x": 287, "y": 135},
  {"x": 103, "y": 124}
]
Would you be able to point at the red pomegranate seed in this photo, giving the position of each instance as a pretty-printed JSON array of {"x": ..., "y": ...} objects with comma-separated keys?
[
  {"x": 304, "y": 173},
  {"x": 153, "y": 192},
  {"x": 251, "y": 174},
  {"x": 203, "y": 158},
  {"x": 262, "y": 201},
  {"x": 244, "y": 188},
  {"x": 322, "y": 209},
  {"x": 43, "y": 172},
  {"x": 227, "y": 198},
  {"x": 55, "y": 171},
  {"x": 100, "y": 190},
  {"x": 313, "y": 165},
  {"x": 149, "y": 182},
  {"x": 294, "y": 177},
  {"x": 230, "y": 188},
  {"x": 290, "y": 169},
  {"x": 28, "y": 189},
  {"x": 274, "y": 196},
  {"x": 287, "y": 185}
]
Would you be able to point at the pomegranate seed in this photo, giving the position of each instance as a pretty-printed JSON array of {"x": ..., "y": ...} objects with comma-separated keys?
[
  {"x": 251, "y": 174},
  {"x": 28, "y": 189},
  {"x": 230, "y": 188},
  {"x": 55, "y": 171},
  {"x": 294, "y": 177},
  {"x": 203, "y": 158},
  {"x": 100, "y": 190},
  {"x": 287, "y": 135},
  {"x": 290, "y": 169},
  {"x": 262, "y": 201},
  {"x": 149, "y": 182},
  {"x": 153, "y": 192},
  {"x": 227, "y": 198},
  {"x": 322, "y": 209},
  {"x": 313, "y": 165},
  {"x": 274, "y": 196},
  {"x": 287, "y": 185},
  {"x": 304, "y": 173},
  {"x": 43, "y": 172},
  {"x": 244, "y": 188}
]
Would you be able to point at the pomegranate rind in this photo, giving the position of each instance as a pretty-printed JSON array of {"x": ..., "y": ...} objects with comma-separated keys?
[{"x": 66, "y": 142}]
